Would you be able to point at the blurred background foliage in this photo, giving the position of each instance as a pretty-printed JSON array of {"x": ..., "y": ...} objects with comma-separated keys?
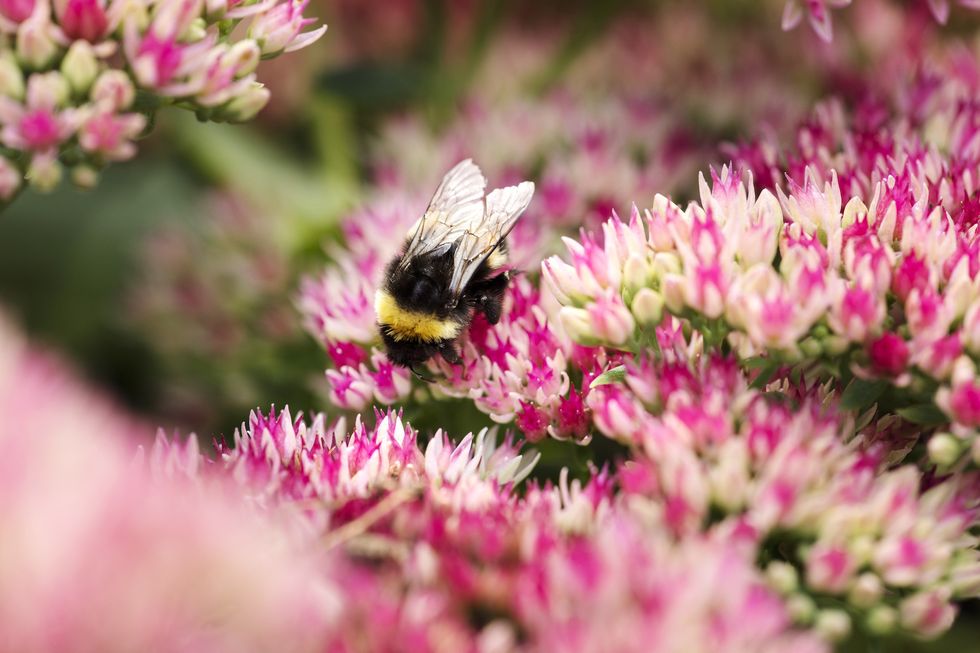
[{"x": 173, "y": 283}]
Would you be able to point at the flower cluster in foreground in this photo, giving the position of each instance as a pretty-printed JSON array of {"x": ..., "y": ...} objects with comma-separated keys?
[
  {"x": 447, "y": 554},
  {"x": 794, "y": 506},
  {"x": 98, "y": 556},
  {"x": 820, "y": 19},
  {"x": 79, "y": 79}
]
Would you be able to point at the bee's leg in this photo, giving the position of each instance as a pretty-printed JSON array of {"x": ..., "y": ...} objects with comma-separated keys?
[
  {"x": 488, "y": 296},
  {"x": 449, "y": 354},
  {"x": 419, "y": 376}
]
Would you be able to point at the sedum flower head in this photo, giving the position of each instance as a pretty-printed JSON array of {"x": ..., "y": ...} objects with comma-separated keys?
[{"x": 82, "y": 61}]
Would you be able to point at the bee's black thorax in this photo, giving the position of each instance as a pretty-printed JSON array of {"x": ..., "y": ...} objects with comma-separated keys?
[{"x": 422, "y": 285}]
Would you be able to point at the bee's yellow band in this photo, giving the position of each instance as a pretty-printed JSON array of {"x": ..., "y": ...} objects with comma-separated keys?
[{"x": 411, "y": 325}]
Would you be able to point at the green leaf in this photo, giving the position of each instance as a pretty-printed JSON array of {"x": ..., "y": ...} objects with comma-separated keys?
[
  {"x": 765, "y": 373},
  {"x": 615, "y": 375},
  {"x": 262, "y": 171},
  {"x": 861, "y": 393},
  {"x": 756, "y": 362},
  {"x": 924, "y": 414}
]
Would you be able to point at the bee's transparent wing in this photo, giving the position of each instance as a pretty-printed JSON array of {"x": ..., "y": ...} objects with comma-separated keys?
[
  {"x": 478, "y": 240},
  {"x": 456, "y": 205}
]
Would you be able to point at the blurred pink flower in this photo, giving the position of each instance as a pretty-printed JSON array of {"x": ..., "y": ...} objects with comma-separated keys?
[{"x": 91, "y": 535}]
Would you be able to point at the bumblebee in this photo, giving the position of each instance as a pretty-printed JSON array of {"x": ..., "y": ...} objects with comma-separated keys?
[{"x": 450, "y": 268}]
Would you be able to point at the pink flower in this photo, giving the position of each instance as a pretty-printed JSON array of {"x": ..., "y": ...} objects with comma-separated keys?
[
  {"x": 281, "y": 28},
  {"x": 533, "y": 422},
  {"x": 912, "y": 273},
  {"x": 963, "y": 403},
  {"x": 39, "y": 124},
  {"x": 82, "y": 19},
  {"x": 819, "y": 15},
  {"x": 830, "y": 568},
  {"x": 857, "y": 313},
  {"x": 110, "y": 134},
  {"x": 350, "y": 387},
  {"x": 17, "y": 11},
  {"x": 928, "y": 613},
  {"x": 889, "y": 354}
]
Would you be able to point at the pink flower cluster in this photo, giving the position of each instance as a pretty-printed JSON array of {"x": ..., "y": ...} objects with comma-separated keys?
[
  {"x": 712, "y": 453},
  {"x": 866, "y": 262},
  {"x": 68, "y": 81},
  {"x": 445, "y": 553},
  {"x": 820, "y": 19}
]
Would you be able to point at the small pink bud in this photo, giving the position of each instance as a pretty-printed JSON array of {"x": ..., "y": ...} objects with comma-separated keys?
[
  {"x": 889, "y": 354},
  {"x": 533, "y": 422},
  {"x": 964, "y": 404},
  {"x": 17, "y": 11},
  {"x": 928, "y": 613},
  {"x": 829, "y": 568},
  {"x": 610, "y": 319},
  {"x": 82, "y": 19},
  {"x": 911, "y": 274}
]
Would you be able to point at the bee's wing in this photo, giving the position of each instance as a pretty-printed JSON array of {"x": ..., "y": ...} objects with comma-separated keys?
[
  {"x": 478, "y": 239},
  {"x": 457, "y": 204}
]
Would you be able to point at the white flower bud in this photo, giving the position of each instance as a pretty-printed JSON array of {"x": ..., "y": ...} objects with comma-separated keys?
[
  {"x": 801, "y": 608},
  {"x": 248, "y": 104},
  {"x": 882, "y": 620},
  {"x": 867, "y": 590},
  {"x": 80, "y": 67},
  {"x": 44, "y": 173},
  {"x": 84, "y": 176},
  {"x": 782, "y": 577},
  {"x": 11, "y": 77},
  {"x": 243, "y": 56},
  {"x": 648, "y": 307},
  {"x": 833, "y": 625},
  {"x": 576, "y": 323},
  {"x": 944, "y": 449}
]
